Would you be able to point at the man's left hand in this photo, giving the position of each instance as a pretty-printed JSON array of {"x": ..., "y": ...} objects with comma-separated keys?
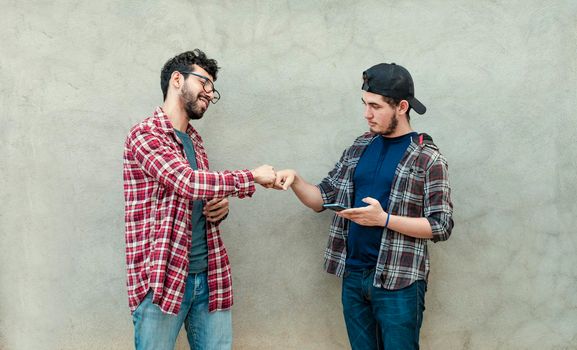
[
  {"x": 371, "y": 215},
  {"x": 215, "y": 209}
]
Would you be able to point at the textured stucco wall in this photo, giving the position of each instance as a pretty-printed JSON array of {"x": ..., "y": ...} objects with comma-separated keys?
[{"x": 498, "y": 77}]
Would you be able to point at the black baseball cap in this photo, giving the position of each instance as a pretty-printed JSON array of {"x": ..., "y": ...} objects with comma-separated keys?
[{"x": 392, "y": 80}]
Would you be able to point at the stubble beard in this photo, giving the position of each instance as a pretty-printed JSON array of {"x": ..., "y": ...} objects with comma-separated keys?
[
  {"x": 191, "y": 106},
  {"x": 392, "y": 127}
]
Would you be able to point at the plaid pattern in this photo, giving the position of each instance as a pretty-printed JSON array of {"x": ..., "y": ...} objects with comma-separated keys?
[
  {"x": 159, "y": 185},
  {"x": 420, "y": 189}
]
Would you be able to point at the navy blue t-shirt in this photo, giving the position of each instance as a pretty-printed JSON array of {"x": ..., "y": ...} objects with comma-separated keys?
[
  {"x": 199, "y": 250},
  {"x": 373, "y": 177}
]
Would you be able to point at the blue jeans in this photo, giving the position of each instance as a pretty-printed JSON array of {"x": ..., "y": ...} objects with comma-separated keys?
[
  {"x": 155, "y": 330},
  {"x": 378, "y": 318}
]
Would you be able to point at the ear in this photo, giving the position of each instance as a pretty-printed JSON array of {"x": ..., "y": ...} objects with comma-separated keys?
[
  {"x": 176, "y": 79},
  {"x": 403, "y": 106}
]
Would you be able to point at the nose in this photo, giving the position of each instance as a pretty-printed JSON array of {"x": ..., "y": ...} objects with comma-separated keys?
[
  {"x": 368, "y": 114},
  {"x": 208, "y": 95}
]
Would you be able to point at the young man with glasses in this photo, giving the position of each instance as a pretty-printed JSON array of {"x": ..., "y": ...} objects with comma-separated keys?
[
  {"x": 396, "y": 184},
  {"x": 177, "y": 267}
]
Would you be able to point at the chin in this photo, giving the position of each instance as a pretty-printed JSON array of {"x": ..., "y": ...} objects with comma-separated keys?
[{"x": 195, "y": 115}]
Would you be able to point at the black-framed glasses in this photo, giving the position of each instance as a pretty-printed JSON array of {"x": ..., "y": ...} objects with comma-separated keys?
[{"x": 208, "y": 85}]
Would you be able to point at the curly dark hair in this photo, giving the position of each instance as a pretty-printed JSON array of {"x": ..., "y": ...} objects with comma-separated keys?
[{"x": 184, "y": 61}]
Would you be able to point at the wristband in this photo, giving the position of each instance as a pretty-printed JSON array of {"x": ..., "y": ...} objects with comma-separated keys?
[{"x": 388, "y": 217}]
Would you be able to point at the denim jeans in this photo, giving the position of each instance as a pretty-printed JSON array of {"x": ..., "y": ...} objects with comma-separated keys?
[
  {"x": 155, "y": 330},
  {"x": 377, "y": 318}
]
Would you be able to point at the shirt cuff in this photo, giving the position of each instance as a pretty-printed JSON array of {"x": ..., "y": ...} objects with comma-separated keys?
[
  {"x": 441, "y": 230},
  {"x": 245, "y": 183},
  {"x": 324, "y": 193}
]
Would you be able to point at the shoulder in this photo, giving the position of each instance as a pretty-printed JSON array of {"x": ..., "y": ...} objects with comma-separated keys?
[
  {"x": 429, "y": 152},
  {"x": 425, "y": 141},
  {"x": 359, "y": 145},
  {"x": 149, "y": 125},
  {"x": 364, "y": 139}
]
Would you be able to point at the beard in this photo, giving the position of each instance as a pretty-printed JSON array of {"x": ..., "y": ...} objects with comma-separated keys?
[
  {"x": 391, "y": 128},
  {"x": 193, "y": 110}
]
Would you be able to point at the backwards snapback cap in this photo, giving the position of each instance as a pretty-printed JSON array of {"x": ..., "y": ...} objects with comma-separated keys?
[{"x": 392, "y": 80}]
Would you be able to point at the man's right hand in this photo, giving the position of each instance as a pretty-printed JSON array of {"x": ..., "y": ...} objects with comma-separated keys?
[
  {"x": 309, "y": 195},
  {"x": 264, "y": 175},
  {"x": 284, "y": 179}
]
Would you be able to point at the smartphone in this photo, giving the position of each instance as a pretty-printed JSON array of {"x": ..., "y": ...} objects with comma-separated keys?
[{"x": 335, "y": 206}]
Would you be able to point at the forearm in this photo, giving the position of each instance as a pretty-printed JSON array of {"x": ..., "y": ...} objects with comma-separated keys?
[
  {"x": 414, "y": 227},
  {"x": 307, "y": 193},
  {"x": 152, "y": 154},
  {"x": 206, "y": 185}
]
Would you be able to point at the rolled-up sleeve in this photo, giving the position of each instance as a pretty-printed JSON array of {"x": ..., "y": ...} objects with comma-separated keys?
[{"x": 438, "y": 207}]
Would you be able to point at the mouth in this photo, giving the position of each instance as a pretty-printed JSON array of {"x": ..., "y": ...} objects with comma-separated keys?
[{"x": 205, "y": 100}]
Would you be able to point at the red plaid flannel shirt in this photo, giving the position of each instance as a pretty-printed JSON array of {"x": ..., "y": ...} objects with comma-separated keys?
[{"x": 159, "y": 185}]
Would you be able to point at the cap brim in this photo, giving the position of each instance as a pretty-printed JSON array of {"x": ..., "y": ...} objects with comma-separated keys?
[{"x": 417, "y": 106}]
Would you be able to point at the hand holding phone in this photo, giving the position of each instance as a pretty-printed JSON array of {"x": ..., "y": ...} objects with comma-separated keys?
[{"x": 335, "y": 206}]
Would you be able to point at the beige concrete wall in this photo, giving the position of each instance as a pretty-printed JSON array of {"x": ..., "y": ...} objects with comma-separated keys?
[{"x": 498, "y": 77}]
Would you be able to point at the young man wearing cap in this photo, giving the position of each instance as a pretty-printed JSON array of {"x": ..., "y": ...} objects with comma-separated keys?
[
  {"x": 177, "y": 267},
  {"x": 396, "y": 183}
]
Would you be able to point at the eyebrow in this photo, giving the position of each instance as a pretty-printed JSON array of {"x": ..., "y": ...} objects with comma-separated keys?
[
  {"x": 196, "y": 75},
  {"x": 374, "y": 104}
]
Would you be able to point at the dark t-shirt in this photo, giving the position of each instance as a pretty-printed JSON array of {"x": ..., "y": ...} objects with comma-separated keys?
[
  {"x": 373, "y": 178},
  {"x": 199, "y": 251}
]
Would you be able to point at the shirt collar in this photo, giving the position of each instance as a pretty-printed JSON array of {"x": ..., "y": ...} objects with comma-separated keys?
[{"x": 167, "y": 125}]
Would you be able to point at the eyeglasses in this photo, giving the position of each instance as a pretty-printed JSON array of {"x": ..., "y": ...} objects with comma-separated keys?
[{"x": 208, "y": 86}]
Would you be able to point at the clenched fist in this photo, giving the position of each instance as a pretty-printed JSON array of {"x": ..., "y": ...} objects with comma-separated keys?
[{"x": 264, "y": 175}]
